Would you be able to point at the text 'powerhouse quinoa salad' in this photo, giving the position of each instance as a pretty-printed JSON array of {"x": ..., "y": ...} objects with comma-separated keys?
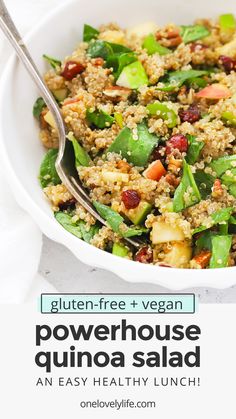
[{"x": 151, "y": 116}]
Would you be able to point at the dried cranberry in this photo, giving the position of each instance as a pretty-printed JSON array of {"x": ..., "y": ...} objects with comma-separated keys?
[
  {"x": 67, "y": 205},
  {"x": 71, "y": 69},
  {"x": 196, "y": 46},
  {"x": 130, "y": 198},
  {"x": 179, "y": 142},
  {"x": 158, "y": 153},
  {"x": 228, "y": 63},
  {"x": 144, "y": 255},
  {"x": 192, "y": 114}
]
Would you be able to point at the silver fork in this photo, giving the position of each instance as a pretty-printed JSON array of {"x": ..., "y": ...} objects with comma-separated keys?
[{"x": 66, "y": 172}]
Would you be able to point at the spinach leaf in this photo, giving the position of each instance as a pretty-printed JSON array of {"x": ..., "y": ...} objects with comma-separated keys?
[
  {"x": 38, "y": 107},
  {"x": 99, "y": 118},
  {"x": 116, "y": 222},
  {"x": 218, "y": 217},
  {"x": 54, "y": 63},
  {"x": 105, "y": 49},
  {"x": 135, "y": 151},
  {"x": 205, "y": 241},
  {"x": 164, "y": 112},
  {"x": 193, "y": 33},
  {"x": 221, "y": 246},
  {"x": 196, "y": 83},
  {"x": 175, "y": 79},
  {"x": 47, "y": 173},
  {"x": 66, "y": 221},
  {"x": 81, "y": 156},
  {"x": 89, "y": 33},
  {"x": 222, "y": 164},
  {"x": 194, "y": 149},
  {"x": 152, "y": 46},
  {"x": 204, "y": 183},
  {"x": 187, "y": 193},
  {"x": 119, "y": 61},
  {"x": 77, "y": 228},
  {"x": 99, "y": 49},
  {"x": 87, "y": 235}
]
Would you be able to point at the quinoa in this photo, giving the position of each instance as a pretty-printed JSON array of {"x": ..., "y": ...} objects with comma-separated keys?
[{"x": 150, "y": 143}]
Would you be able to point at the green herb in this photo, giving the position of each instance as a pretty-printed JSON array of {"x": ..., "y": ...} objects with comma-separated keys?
[
  {"x": 38, "y": 107},
  {"x": 152, "y": 46},
  {"x": 194, "y": 149},
  {"x": 193, "y": 33},
  {"x": 77, "y": 228},
  {"x": 221, "y": 246},
  {"x": 136, "y": 151},
  {"x": 118, "y": 48},
  {"x": 47, "y": 173},
  {"x": 120, "y": 250},
  {"x": 187, "y": 193},
  {"x": 175, "y": 79},
  {"x": 163, "y": 111},
  {"x": 81, "y": 156},
  {"x": 227, "y": 23},
  {"x": 89, "y": 33},
  {"x": 204, "y": 183},
  {"x": 222, "y": 164},
  {"x": 99, "y": 118},
  {"x": 116, "y": 222},
  {"x": 54, "y": 63},
  {"x": 119, "y": 61},
  {"x": 224, "y": 228},
  {"x": 218, "y": 217}
]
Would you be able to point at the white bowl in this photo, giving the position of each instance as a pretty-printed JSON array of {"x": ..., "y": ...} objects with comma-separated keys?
[{"x": 58, "y": 35}]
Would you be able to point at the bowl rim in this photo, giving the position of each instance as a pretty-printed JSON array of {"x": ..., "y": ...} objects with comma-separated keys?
[{"x": 172, "y": 278}]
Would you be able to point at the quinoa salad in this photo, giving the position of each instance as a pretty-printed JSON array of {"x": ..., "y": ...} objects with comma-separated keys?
[{"x": 151, "y": 118}]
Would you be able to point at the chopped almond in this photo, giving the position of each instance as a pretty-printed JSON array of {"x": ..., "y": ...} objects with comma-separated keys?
[
  {"x": 201, "y": 260},
  {"x": 217, "y": 189},
  {"x": 117, "y": 92}
]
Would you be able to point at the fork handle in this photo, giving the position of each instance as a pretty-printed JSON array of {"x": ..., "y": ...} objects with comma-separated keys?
[{"x": 9, "y": 29}]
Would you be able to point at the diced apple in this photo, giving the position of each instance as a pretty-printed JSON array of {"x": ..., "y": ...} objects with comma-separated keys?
[
  {"x": 60, "y": 94},
  {"x": 179, "y": 256},
  {"x": 214, "y": 91},
  {"x": 228, "y": 49},
  {"x": 142, "y": 30},
  {"x": 50, "y": 120},
  {"x": 163, "y": 232},
  {"x": 116, "y": 37},
  {"x": 138, "y": 215},
  {"x": 115, "y": 176},
  {"x": 133, "y": 76}
]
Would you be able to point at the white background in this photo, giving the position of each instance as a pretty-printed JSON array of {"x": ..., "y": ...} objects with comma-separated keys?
[
  {"x": 55, "y": 258},
  {"x": 215, "y": 398}
]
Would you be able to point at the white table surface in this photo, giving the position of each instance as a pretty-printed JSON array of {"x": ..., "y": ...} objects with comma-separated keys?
[{"x": 58, "y": 265}]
